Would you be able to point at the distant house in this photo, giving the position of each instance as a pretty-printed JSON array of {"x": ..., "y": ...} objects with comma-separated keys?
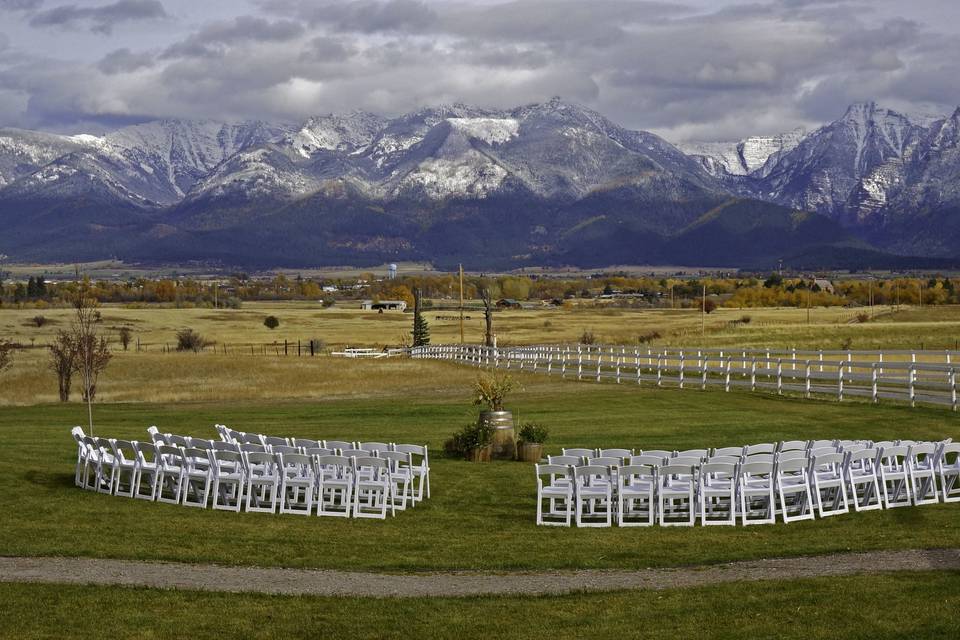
[
  {"x": 825, "y": 285},
  {"x": 509, "y": 303},
  {"x": 329, "y": 288},
  {"x": 383, "y": 305}
]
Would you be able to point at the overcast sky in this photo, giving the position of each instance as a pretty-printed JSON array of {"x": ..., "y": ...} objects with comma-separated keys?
[{"x": 685, "y": 69}]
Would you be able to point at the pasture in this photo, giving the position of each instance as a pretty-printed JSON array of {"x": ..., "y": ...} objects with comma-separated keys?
[{"x": 481, "y": 517}]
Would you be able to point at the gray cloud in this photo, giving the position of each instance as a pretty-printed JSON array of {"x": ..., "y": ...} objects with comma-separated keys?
[
  {"x": 691, "y": 69},
  {"x": 20, "y": 5},
  {"x": 101, "y": 19}
]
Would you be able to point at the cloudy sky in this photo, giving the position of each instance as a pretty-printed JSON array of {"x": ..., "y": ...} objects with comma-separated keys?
[{"x": 686, "y": 69}]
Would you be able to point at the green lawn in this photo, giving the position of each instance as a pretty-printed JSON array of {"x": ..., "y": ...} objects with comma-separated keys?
[
  {"x": 480, "y": 516},
  {"x": 914, "y": 605}
]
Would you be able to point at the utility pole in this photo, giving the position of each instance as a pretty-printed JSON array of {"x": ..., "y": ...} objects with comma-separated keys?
[
  {"x": 870, "y": 295},
  {"x": 216, "y": 295},
  {"x": 703, "y": 312},
  {"x": 461, "y": 304},
  {"x": 808, "y": 305}
]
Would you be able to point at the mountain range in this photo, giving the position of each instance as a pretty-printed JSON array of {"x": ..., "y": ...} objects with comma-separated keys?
[{"x": 549, "y": 183}]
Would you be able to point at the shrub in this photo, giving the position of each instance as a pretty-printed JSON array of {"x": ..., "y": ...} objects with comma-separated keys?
[
  {"x": 648, "y": 337},
  {"x": 6, "y": 354},
  {"x": 490, "y": 389},
  {"x": 847, "y": 344},
  {"x": 863, "y": 317},
  {"x": 587, "y": 337},
  {"x": 39, "y": 321},
  {"x": 532, "y": 432},
  {"x": 547, "y": 324},
  {"x": 472, "y": 436},
  {"x": 190, "y": 340},
  {"x": 271, "y": 322},
  {"x": 64, "y": 352},
  {"x": 233, "y": 302},
  {"x": 328, "y": 301},
  {"x": 745, "y": 319},
  {"x": 708, "y": 305}
]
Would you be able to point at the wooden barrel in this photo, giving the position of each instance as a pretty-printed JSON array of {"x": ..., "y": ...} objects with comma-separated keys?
[{"x": 504, "y": 444}]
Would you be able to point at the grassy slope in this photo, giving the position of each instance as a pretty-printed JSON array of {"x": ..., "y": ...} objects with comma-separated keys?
[
  {"x": 481, "y": 516},
  {"x": 921, "y": 605}
]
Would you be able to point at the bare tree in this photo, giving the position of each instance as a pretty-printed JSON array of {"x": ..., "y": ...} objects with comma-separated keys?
[
  {"x": 487, "y": 316},
  {"x": 6, "y": 355},
  {"x": 63, "y": 362},
  {"x": 125, "y": 334},
  {"x": 92, "y": 352}
]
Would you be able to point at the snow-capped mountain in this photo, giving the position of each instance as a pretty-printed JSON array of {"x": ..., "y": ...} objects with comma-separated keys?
[{"x": 544, "y": 182}]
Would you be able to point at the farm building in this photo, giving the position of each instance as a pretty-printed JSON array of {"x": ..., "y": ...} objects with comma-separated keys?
[
  {"x": 509, "y": 303},
  {"x": 383, "y": 305}
]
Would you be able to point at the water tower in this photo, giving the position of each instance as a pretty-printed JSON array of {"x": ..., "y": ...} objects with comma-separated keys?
[{"x": 391, "y": 271}]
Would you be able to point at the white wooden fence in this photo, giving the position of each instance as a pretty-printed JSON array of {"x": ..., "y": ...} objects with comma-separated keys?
[{"x": 927, "y": 377}]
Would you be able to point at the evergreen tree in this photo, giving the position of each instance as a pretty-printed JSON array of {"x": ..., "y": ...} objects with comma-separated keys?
[{"x": 421, "y": 330}]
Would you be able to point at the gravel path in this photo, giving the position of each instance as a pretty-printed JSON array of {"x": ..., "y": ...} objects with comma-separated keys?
[{"x": 344, "y": 583}]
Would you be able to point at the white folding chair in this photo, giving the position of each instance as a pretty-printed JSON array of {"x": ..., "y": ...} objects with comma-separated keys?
[
  {"x": 306, "y": 443},
  {"x": 401, "y": 472},
  {"x": 895, "y": 476},
  {"x": 374, "y": 446},
  {"x": 735, "y": 452},
  {"x": 222, "y": 432},
  {"x": 829, "y": 484},
  {"x": 766, "y": 448},
  {"x": 229, "y": 478},
  {"x": 660, "y": 453},
  {"x": 676, "y": 489},
  {"x": 573, "y": 461},
  {"x": 274, "y": 441},
  {"x": 921, "y": 462},
  {"x": 756, "y": 486},
  {"x": 948, "y": 466},
  {"x": 593, "y": 495},
  {"x": 793, "y": 488},
  {"x": 148, "y": 468},
  {"x": 650, "y": 460},
  {"x": 284, "y": 448},
  {"x": 718, "y": 492},
  {"x": 263, "y": 482},
  {"x": 555, "y": 484},
  {"x": 334, "y": 485},
  {"x": 792, "y": 445},
  {"x": 373, "y": 488},
  {"x": 196, "y": 481},
  {"x": 623, "y": 454},
  {"x": 860, "y": 468},
  {"x": 173, "y": 469},
  {"x": 125, "y": 463},
  {"x": 298, "y": 482},
  {"x": 106, "y": 466},
  {"x": 421, "y": 469},
  {"x": 699, "y": 454},
  {"x": 636, "y": 496},
  {"x": 338, "y": 445},
  {"x": 792, "y": 454},
  {"x": 77, "y": 434},
  {"x": 820, "y": 444}
]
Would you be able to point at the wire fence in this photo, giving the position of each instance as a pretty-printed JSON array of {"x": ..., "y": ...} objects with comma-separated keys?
[{"x": 915, "y": 377}]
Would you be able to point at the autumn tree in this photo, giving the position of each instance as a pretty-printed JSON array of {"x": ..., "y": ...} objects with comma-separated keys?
[
  {"x": 93, "y": 353},
  {"x": 63, "y": 362},
  {"x": 6, "y": 355}
]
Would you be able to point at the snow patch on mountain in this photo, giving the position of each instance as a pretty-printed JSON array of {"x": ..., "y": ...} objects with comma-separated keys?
[{"x": 493, "y": 131}]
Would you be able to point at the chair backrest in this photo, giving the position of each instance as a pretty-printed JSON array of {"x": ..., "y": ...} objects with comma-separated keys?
[
  {"x": 373, "y": 446},
  {"x": 826, "y": 461},
  {"x": 284, "y": 448},
  {"x": 319, "y": 451},
  {"x": 250, "y": 447},
  {"x": 718, "y": 469},
  {"x": 260, "y": 462},
  {"x": 146, "y": 451},
  {"x": 632, "y": 472},
  {"x": 648, "y": 460},
  {"x": 235, "y": 436},
  {"x": 615, "y": 453},
  {"x": 379, "y": 466},
  {"x": 792, "y": 465},
  {"x": 334, "y": 461},
  {"x": 220, "y": 456},
  {"x": 822, "y": 451},
  {"x": 762, "y": 448},
  {"x": 594, "y": 472},
  {"x": 583, "y": 453},
  {"x": 693, "y": 461},
  {"x": 251, "y": 438},
  {"x": 170, "y": 455},
  {"x": 858, "y": 457},
  {"x": 124, "y": 450},
  {"x": 728, "y": 451},
  {"x": 176, "y": 440},
  {"x": 306, "y": 443},
  {"x": 893, "y": 456},
  {"x": 298, "y": 460},
  {"x": 663, "y": 453},
  {"x": 882, "y": 444},
  {"x": 415, "y": 449},
  {"x": 922, "y": 448},
  {"x": 605, "y": 461},
  {"x": 200, "y": 443},
  {"x": 357, "y": 453},
  {"x": 222, "y": 432},
  {"x": 77, "y": 433},
  {"x": 854, "y": 446},
  {"x": 226, "y": 446},
  {"x": 792, "y": 454},
  {"x": 196, "y": 457},
  {"x": 792, "y": 445},
  {"x": 950, "y": 454},
  {"x": 152, "y": 430},
  {"x": 565, "y": 460},
  {"x": 692, "y": 453},
  {"x": 819, "y": 444},
  {"x": 272, "y": 441},
  {"x": 673, "y": 470},
  {"x": 734, "y": 460},
  {"x": 555, "y": 471},
  {"x": 766, "y": 458},
  {"x": 337, "y": 444},
  {"x": 757, "y": 468}
]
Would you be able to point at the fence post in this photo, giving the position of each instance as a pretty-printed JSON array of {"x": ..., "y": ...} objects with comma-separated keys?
[
  {"x": 703, "y": 373},
  {"x": 873, "y": 383},
  {"x": 599, "y": 361},
  {"x": 840, "y": 382},
  {"x": 681, "y": 368},
  {"x": 726, "y": 382},
  {"x": 821, "y": 360},
  {"x": 579, "y": 364},
  {"x": 618, "y": 369},
  {"x": 793, "y": 357},
  {"x": 806, "y": 375},
  {"x": 659, "y": 370},
  {"x": 953, "y": 389},
  {"x": 753, "y": 373},
  {"x": 779, "y": 376},
  {"x": 911, "y": 374}
]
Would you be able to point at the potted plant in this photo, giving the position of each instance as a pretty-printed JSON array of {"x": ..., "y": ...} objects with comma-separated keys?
[
  {"x": 473, "y": 442},
  {"x": 490, "y": 390},
  {"x": 530, "y": 439}
]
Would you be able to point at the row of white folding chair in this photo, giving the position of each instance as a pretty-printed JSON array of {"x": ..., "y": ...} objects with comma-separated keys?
[{"x": 184, "y": 476}]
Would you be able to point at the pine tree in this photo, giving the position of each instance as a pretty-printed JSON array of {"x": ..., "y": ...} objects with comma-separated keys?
[{"x": 421, "y": 330}]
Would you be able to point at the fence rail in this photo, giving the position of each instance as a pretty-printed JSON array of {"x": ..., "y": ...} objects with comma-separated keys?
[{"x": 925, "y": 377}]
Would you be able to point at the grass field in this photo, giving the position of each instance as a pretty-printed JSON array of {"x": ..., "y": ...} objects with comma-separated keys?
[
  {"x": 481, "y": 516},
  {"x": 917, "y": 606}
]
